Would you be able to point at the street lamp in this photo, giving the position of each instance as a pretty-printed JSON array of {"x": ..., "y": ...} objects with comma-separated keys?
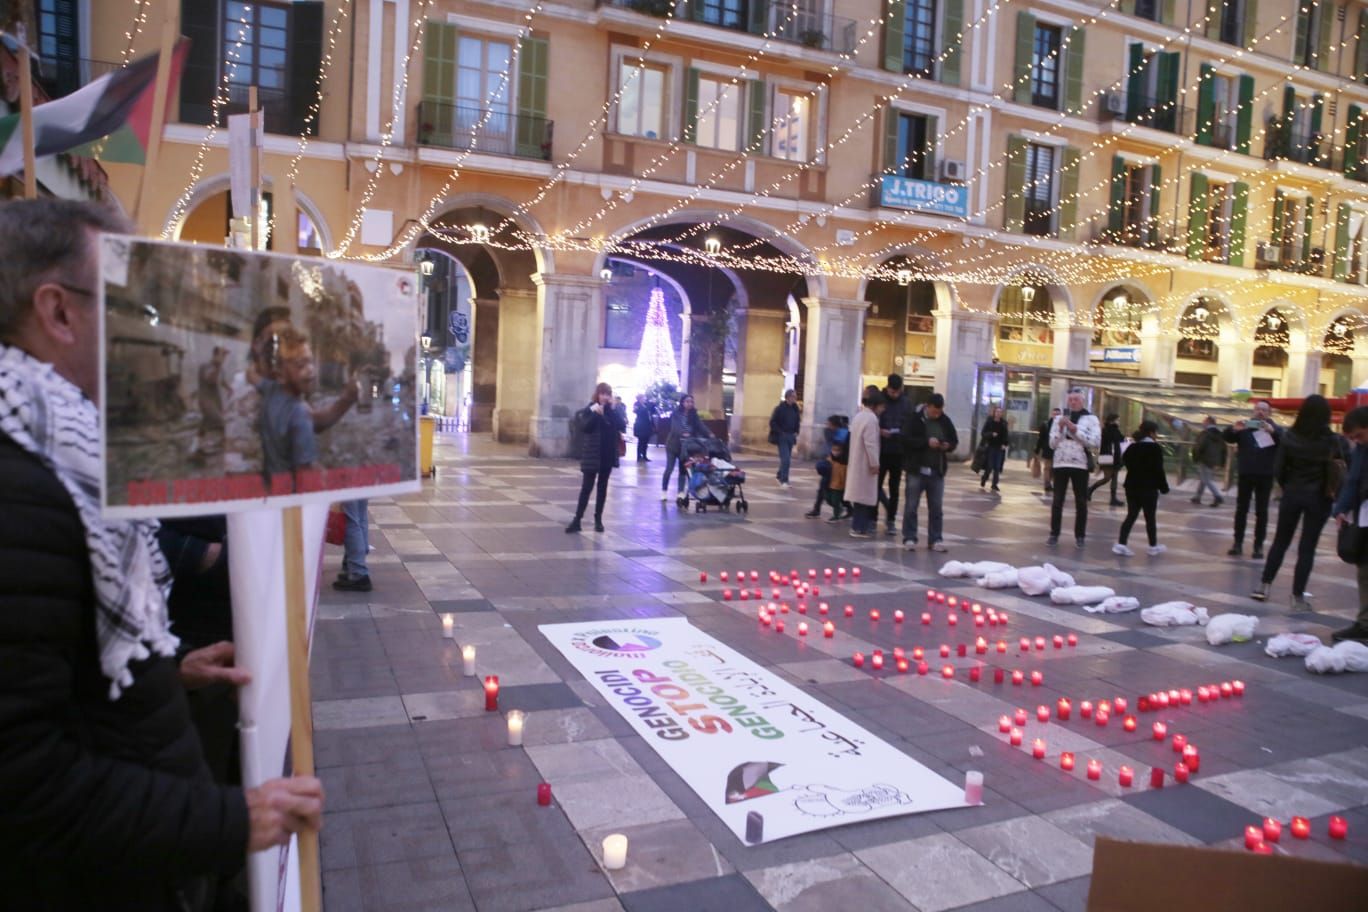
[
  {"x": 904, "y": 277},
  {"x": 606, "y": 274},
  {"x": 1027, "y": 294},
  {"x": 426, "y": 266},
  {"x": 713, "y": 246}
]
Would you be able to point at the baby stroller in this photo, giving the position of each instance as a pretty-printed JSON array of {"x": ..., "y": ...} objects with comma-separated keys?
[{"x": 713, "y": 480}]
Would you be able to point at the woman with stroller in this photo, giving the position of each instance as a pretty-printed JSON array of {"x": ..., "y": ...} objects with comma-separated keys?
[
  {"x": 684, "y": 424},
  {"x": 1145, "y": 481},
  {"x": 1109, "y": 457},
  {"x": 995, "y": 438},
  {"x": 1304, "y": 468},
  {"x": 600, "y": 427}
]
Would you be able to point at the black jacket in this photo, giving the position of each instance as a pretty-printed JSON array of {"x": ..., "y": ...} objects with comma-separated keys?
[
  {"x": 785, "y": 419},
  {"x": 894, "y": 414},
  {"x": 1303, "y": 462},
  {"x": 1144, "y": 462},
  {"x": 914, "y": 437},
  {"x": 684, "y": 424},
  {"x": 103, "y": 804},
  {"x": 995, "y": 433},
  {"x": 1043, "y": 440},
  {"x": 1251, "y": 459},
  {"x": 598, "y": 438},
  {"x": 1111, "y": 440},
  {"x": 644, "y": 424}
]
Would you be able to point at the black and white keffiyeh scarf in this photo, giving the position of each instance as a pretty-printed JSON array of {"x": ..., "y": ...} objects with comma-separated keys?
[{"x": 48, "y": 416}]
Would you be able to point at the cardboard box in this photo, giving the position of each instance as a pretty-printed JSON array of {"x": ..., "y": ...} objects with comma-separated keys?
[{"x": 1140, "y": 877}]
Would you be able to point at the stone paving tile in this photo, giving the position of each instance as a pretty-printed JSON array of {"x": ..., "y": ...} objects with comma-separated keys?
[
  {"x": 359, "y": 713},
  {"x": 398, "y": 779},
  {"x": 1197, "y": 812},
  {"x": 412, "y": 885},
  {"x": 823, "y": 884},
  {"x": 1116, "y": 819},
  {"x": 376, "y": 836},
  {"x": 732, "y": 893},
  {"x": 659, "y": 855},
  {"x": 1030, "y": 849},
  {"x": 938, "y": 872}
]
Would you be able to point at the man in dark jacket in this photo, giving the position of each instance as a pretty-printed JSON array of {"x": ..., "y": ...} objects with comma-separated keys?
[
  {"x": 928, "y": 437},
  {"x": 1351, "y": 508},
  {"x": 1257, "y": 440},
  {"x": 896, "y": 408},
  {"x": 1209, "y": 454},
  {"x": 1045, "y": 451},
  {"x": 105, "y": 801},
  {"x": 783, "y": 432}
]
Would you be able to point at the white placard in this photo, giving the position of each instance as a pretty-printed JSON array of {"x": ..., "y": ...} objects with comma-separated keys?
[
  {"x": 746, "y": 741},
  {"x": 1264, "y": 439}
]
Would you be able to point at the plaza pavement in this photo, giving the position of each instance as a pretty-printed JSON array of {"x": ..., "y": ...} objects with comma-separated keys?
[{"x": 429, "y": 809}]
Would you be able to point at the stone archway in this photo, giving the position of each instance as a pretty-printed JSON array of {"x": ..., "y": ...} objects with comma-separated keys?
[
  {"x": 207, "y": 212},
  {"x": 1210, "y": 352},
  {"x": 900, "y": 334}
]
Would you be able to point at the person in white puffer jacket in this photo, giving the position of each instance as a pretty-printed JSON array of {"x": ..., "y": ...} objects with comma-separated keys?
[{"x": 1073, "y": 436}]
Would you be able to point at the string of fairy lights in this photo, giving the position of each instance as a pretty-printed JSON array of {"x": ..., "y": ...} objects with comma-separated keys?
[{"x": 1084, "y": 261}]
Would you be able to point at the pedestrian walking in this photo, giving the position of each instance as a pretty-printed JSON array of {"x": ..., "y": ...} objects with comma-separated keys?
[
  {"x": 643, "y": 425},
  {"x": 862, "y": 470},
  {"x": 1045, "y": 452},
  {"x": 355, "y": 575},
  {"x": 1306, "y": 472},
  {"x": 1256, "y": 443},
  {"x": 684, "y": 425},
  {"x": 840, "y": 510},
  {"x": 1209, "y": 455},
  {"x": 995, "y": 438},
  {"x": 1145, "y": 481},
  {"x": 783, "y": 432},
  {"x": 928, "y": 438},
  {"x": 1351, "y": 509},
  {"x": 600, "y": 425},
  {"x": 1074, "y": 437},
  {"x": 836, "y": 432},
  {"x": 896, "y": 407},
  {"x": 1109, "y": 457}
]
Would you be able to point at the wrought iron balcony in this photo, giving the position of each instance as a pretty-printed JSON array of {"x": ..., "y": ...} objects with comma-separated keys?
[{"x": 482, "y": 130}]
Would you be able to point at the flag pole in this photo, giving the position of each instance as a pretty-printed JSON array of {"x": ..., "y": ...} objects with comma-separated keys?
[
  {"x": 165, "y": 60},
  {"x": 26, "y": 113}
]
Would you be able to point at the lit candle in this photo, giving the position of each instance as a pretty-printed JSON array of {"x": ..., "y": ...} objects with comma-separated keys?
[
  {"x": 1301, "y": 828},
  {"x": 1272, "y": 829},
  {"x": 1156, "y": 778},
  {"x": 516, "y": 718},
  {"x": 874, "y": 614},
  {"x": 923, "y": 668},
  {"x": 703, "y": 577},
  {"x": 1025, "y": 644},
  {"x": 1042, "y": 713},
  {"x": 1253, "y": 836},
  {"x": 1192, "y": 758},
  {"x": 1001, "y": 646},
  {"x": 491, "y": 689},
  {"x": 980, "y": 646},
  {"x": 841, "y": 572},
  {"x": 940, "y": 597},
  {"x": 918, "y": 653},
  {"x": 1119, "y": 705},
  {"x": 783, "y": 608},
  {"x": 855, "y": 573},
  {"x": 1129, "y": 723},
  {"x": 723, "y": 575},
  {"x": 948, "y": 671},
  {"x": 448, "y": 627},
  {"x": 1237, "y": 687},
  {"x": 726, "y": 595},
  {"x": 779, "y": 626},
  {"x": 978, "y": 620},
  {"x": 1039, "y": 643},
  {"x": 1085, "y": 709},
  {"x": 745, "y": 594},
  {"x": 1179, "y": 742},
  {"x": 1160, "y": 731},
  {"x": 1180, "y": 772},
  {"x": 1203, "y": 695},
  {"x": 1020, "y": 716},
  {"x": 544, "y": 794},
  {"x": 1185, "y": 697},
  {"x": 1058, "y": 641},
  {"x": 802, "y": 628},
  {"x": 1066, "y": 761},
  {"x": 1104, "y": 706},
  {"x": 1163, "y": 700},
  {"x": 1101, "y": 719},
  {"x": 1263, "y": 848},
  {"x": 1339, "y": 828},
  {"x": 997, "y": 675},
  {"x": 828, "y": 630},
  {"x": 755, "y": 575},
  {"x": 926, "y": 618},
  {"x": 930, "y": 595},
  {"x": 1072, "y": 639},
  {"x": 1004, "y": 723},
  {"x": 858, "y": 659},
  {"x": 823, "y": 609},
  {"x": 615, "y": 852},
  {"x": 1037, "y": 678},
  {"x": 952, "y": 601},
  {"x": 902, "y": 665},
  {"x": 1094, "y": 770},
  {"x": 1014, "y": 737},
  {"x": 877, "y": 662},
  {"x": 898, "y": 616},
  {"x": 953, "y": 620},
  {"x": 973, "y": 787},
  {"x": 827, "y": 572},
  {"x": 1227, "y": 690},
  {"x": 945, "y": 650},
  {"x": 961, "y": 649},
  {"x": 1126, "y": 777},
  {"x": 1038, "y": 749},
  {"x": 1174, "y": 696},
  {"x": 468, "y": 661},
  {"x": 1002, "y": 617},
  {"x": 802, "y": 607},
  {"x": 1063, "y": 708},
  {"x": 976, "y": 608},
  {"x": 1017, "y": 677},
  {"x": 776, "y": 593},
  {"x": 975, "y": 674},
  {"x": 849, "y": 611}
]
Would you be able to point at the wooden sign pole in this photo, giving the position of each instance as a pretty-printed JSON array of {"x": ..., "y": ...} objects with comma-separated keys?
[
  {"x": 301, "y": 705},
  {"x": 160, "y": 91},
  {"x": 26, "y": 116}
]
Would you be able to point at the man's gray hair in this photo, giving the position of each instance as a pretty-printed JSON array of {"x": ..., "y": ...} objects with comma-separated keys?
[
  {"x": 1076, "y": 391},
  {"x": 42, "y": 240}
]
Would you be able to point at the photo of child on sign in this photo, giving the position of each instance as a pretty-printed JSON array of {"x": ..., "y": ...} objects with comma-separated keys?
[{"x": 240, "y": 377}]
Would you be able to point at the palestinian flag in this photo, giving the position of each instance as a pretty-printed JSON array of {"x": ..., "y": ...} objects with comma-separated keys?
[{"x": 118, "y": 105}]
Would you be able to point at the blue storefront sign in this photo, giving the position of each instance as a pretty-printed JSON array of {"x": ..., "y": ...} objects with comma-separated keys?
[
  {"x": 1125, "y": 355},
  {"x": 898, "y": 192}
]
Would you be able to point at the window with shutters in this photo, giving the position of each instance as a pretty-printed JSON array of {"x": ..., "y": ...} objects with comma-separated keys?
[
  {"x": 913, "y": 149},
  {"x": 1220, "y": 198},
  {"x": 643, "y": 102},
  {"x": 263, "y": 29},
  {"x": 1225, "y": 107},
  {"x": 719, "y": 114},
  {"x": 58, "y": 46},
  {"x": 1288, "y": 236},
  {"x": 732, "y": 14},
  {"x": 1151, "y": 88},
  {"x": 1357, "y": 271},
  {"x": 1039, "y": 190},
  {"x": 1232, "y": 25},
  {"x": 485, "y": 80},
  {"x": 1135, "y": 206},
  {"x": 1313, "y": 24},
  {"x": 1045, "y": 66},
  {"x": 1148, "y": 9},
  {"x": 919, "y": 37},
  {"x": 790, "y": 125}
]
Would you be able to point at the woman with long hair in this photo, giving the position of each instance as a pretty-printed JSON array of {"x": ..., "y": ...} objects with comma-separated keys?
[
  {"x": 995, "y": 437},
  {"x": 1109, "y": 457},
  {"x": 600, "y": 427},
  {"x": 684, "y": 424},
  {"x": 1303, "y": 469},
  {"x": 1145, "y": 481}
]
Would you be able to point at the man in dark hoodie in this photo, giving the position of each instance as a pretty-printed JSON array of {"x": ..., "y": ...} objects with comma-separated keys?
[
  {"x": 928, "y": 437},
  {"x": 896, "y": 408},
  {"x": 1257, "y": 440}
]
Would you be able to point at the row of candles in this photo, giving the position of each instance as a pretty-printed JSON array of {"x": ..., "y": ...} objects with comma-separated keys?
[
  {"x": 794, "y": 578},
  {"x": 1260, "y": 838},
  {"x": 1189, "y": 764}
]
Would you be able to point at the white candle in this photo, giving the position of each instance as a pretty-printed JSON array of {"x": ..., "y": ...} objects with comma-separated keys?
[
  {"x": 615, "y": 852},
  {"x": 468, "y": 661},
  {"x": 515, "y": 727},
  {"x": 973, "y": 787},
  {"x": 448, "y": 626}
]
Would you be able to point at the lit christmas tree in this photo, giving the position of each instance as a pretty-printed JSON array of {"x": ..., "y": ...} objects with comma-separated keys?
[{"x": 656, "y": 360}]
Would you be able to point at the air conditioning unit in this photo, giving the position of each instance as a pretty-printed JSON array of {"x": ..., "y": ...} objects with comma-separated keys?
[
  {"x": 1114, "y": 103},
  {"x": 1267, "y": 256},
  {"x": 951, "y": 169}
]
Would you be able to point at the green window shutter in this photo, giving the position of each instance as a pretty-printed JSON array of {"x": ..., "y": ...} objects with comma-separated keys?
[
  {"x": 1244, "y": 117},
  {"x": 1303, "y": 33},
  {"x": 1135, "y": 81},
  {"x": 895, "y": 25},
  {"x": 1279, "y": 219},
  {"x": 439, "y": 80},
  {"x": 1306, "y": 230},
  {"x": 533, "y": 138},
  {"x": 1152, "y": 228},
  {"x": 1206, "y": 104},
  {"x": 929, "y": 150},
  {"x": 1068, "y": 193},
  {"x": 1073, "y": 72},
  {"x": 1353, "y": 129},
  {"x": 891, "y": 163},
  {"x": 1324, "y": 61},
  {"x": 1166, "y": 117},
  {"x": 1197, "y": 216},
  {"x": 1116, "y": 215},
  {"x": 1342, "y": 242},
  {"x": 759, "y": 10},
  {"x": 1167, "y": 12},
  {"x": 755, "y": 116},
  {"x": 952, "y": 24},
  {"x": 1213, "y": 19},
  {"x": 1361, "y": 51},
  {"x": 1251, "y": 22},
  {"x": 1025, "y": 49},
  {"x": 691, "y": 105},
  {"x": 1289, "y": 102},
  {"x": 1127, "y": 7},
  {"x": 1317, "y": 113},
  {"x": 1239, "y": 219},
  {"x": 1014, "y": 189}
]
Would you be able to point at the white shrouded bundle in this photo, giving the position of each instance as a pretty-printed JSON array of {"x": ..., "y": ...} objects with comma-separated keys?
[
  {"x": 1114, "y": 605},
  {"x": 1080, "y": 595},
  {"x": 1042, "y": 580},
  {"x": 1349, "y": 655},
  {"x": 962, "y": 569},
  {"x": 1231, "y": 628},
  {"x": 1174, "y": 614},
  {"x": 1292, "y": 644},
  {"x": 999, "y": 579}
]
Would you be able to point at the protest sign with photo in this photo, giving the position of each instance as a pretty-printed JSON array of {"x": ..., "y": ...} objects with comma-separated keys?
[
  {"x": 767, "y": 758},
  {"x": 236, "y": 380}
]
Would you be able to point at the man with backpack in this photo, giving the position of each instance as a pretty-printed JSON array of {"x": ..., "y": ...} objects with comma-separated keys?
[{"x": 1209, "y": 454}]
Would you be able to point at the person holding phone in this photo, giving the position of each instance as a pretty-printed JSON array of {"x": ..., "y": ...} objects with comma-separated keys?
[
  {"x": 1074, "y": 436},
  {"x": 600, "y": 427},
  {"x": 1257, "y": 441}
]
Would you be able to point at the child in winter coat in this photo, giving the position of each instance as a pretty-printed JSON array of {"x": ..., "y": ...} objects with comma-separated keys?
[
  {"x": 1145, "y": 481},
  {"x": 836, "y": 485},
  {"x": 836, "y": 431}
]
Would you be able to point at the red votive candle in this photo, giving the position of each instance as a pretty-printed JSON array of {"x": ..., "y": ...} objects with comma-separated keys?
[
  {"x": 1185, "y": 697},
  {"x": 1227, "y": 690},
  {"x": 1042, "y": 713},
  {"x": 1163, "y": 701},
  {"x": 1017, "y": 677},
  {"x": 1037, "y": 678},
  {"x": 1038, "y": 749},
  {"x": 841, "y": 572},
  {"x": 858, "y": 659},
  {"x": 802, "y": 628},
  {"x": 948, "y": 671},
  {"x": 1301, "y": 828},
  {"x": 1020, "y": 716},
  {"x": 978, "y": 620},
  {"x": 1039, "y": 643},
  {"x": 828, "y": 630},
  {"x": 997, "y": 675},
  {"x": 1180, "y": 772},
  {"x": 1094, "y": 770},
  {"x": 1014, "y": 737},
  {"x": 952, "y": 601},
  {"x": 779, "y": 626},
  {"x": 1002, "y": 617},
  {"x": 1085, "y": 709},
  {"x": 1156, "y": 778},
  {"x": 1104, "y": 706},
  {"x": 1192, "y": 758},
  {"x": 1058, "y": 641},
  {"x": 544, "y": 794},
  {"x": 930, "y": 595},
  {"x": 1062, "y": 709},
  {"x": 1160, "y": 731},
  {"x": 918, "y": 653},
  {"x": 923, "y": 668},
  {"x": 827, "y": 573},
  {"x": 812, "y": 573},
  {"x": 975, "y": 674},
  {"x": 1101, "y": 718},
  {"x": 1025, "y": 644},
  {"x": 1072, "y": 639},
  {"x": 1126, "y": 777},
  {"x": 855, "y": 572},
  {"x": 926, "y": 618},
  {"x": 1129, "y": 723},
  {"x": 1066, "y": 761},
  {"x": 823, "y": 609},
  {"x": 1001, "y": 645},
  {"x": 877, "y": 662},
  {"x": 802, "y": 607},
  {"x": 874, "y": 614},
  {"x": 898, "y": 616},
  {"x": 1203, "y": 695},
  {"x": 1339, "y": 828},
  {"x": 980, "y": 646},
  {"x": 1143, "y": 704},
  {"x": 1004, "y": 723},
  {"x": 849, "y": 611},
  {"x": 1119, "y": 705},
  {"x": 961, "y": 649},
  {"x": 945, "y": 650},
  {"x": 726, "y": 595},
  {"x": 1253, "y": 836},
  {"x": 1179, "y": 742},
  {"x": 902, "y": 665},
  {"x": 1272, "y": 829},
  {"x": 491, "y": 688},
  {"x": 724, "y": 576},
  {"x": 1237, "y": 688},
  {"x": 703, "y": 577},
  {"x": 952, "y": 620}
]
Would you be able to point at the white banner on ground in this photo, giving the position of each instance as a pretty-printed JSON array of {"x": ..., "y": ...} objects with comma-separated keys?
[{"x": 769, "y": 760}]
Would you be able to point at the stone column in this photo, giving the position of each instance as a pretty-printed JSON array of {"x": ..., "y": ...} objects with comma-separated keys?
[
  {"x": 964, "y": 339},
  {"x": 1234, "y": 366},
  {"x": 516, "y": 364},
  {"x": 761, "y": 347},
  {"x": 686, "y": 327},
  {"x": 484, "y": 357},
  {"x": 1072, "y": 346},
  {"x": 1302, "y": 374},
  {"x": 569, "y": 331},
  {"x": 831, "y": 373},
  {"x": 1158, "y": 351}
]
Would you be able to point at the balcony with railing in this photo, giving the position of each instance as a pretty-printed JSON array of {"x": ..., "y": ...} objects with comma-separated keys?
[
  {"x": 495, "y": 132},
  {"x": 1155, "y": 113},
  {"x": 1306, "y": 148},
  {"x": 785, "y": 22}
]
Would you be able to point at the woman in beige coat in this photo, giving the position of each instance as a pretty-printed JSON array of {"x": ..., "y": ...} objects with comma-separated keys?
[{"x": 862, "y": 478}]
